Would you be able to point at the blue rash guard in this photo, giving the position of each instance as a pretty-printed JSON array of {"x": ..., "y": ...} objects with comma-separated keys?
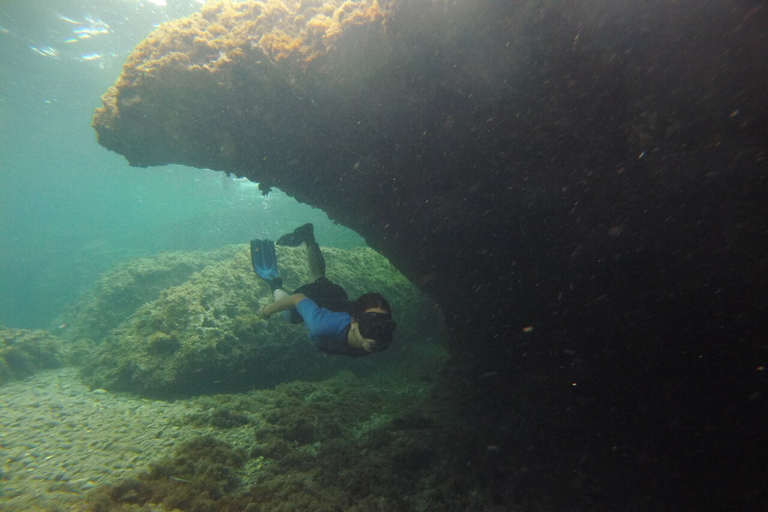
[{"x": 328, "y": 329}]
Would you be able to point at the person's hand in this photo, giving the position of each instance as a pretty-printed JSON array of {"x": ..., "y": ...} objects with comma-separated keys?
[{"x": 262, "y": 313}]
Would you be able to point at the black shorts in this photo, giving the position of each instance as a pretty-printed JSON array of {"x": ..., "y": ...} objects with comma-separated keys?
[{"x": 326, "y": 294}]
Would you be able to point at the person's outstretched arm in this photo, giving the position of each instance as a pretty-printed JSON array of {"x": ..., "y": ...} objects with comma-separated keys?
[{"x": 283, "y": 304}]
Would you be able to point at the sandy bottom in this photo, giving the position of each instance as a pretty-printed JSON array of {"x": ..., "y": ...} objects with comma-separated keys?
[{"x": 58, "y": 439}]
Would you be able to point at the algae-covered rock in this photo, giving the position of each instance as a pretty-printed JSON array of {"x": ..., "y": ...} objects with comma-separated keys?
[
  {"x": 120, "y": 292},
  {"x": 204, "y": 335},
  {"x": 358, "y": 445},
  {"x": 24, "y": 352}
]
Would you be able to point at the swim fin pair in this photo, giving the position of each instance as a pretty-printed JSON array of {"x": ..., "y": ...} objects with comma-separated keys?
[{"x": 264, "y": 261}]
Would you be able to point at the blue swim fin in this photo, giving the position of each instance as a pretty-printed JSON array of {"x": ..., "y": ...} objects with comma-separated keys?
[{"x": 264, "y": 261}]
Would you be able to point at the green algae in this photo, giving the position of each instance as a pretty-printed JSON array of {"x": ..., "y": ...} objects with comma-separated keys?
[
  {"x": 24, "y": 352},
  {"x": 341, "y": 444},
  {"x": 203, "y": 335},
  {"x": 119, "y": 292},
  {"x": 202, "y": 473}
]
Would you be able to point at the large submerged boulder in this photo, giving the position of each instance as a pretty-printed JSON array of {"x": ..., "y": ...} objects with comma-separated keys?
[
  {"x": 120, "y": 291},
  {"x": 204, "y": 335},
  {"x": 581, "y": 186},
  {"x": 523, "y": 154}
]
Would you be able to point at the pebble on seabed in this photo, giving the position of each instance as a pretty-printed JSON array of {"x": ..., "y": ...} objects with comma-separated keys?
[{"x": 60, "y": 439}]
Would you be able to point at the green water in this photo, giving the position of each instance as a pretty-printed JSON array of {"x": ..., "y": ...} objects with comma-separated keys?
[{"x": 70, "y": 209}]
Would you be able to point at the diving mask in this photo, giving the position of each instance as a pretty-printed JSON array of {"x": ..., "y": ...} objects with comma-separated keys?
[{"x": 378, "y": 327}]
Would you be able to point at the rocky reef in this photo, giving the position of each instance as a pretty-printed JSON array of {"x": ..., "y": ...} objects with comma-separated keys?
[
  {"x": 203, "y": 334},
  {"x": 581, "y": 187},
  {"x": 120, "y": 291},
  {"x": 26, "y": 351},
  {"x": 343, "y": 443}
]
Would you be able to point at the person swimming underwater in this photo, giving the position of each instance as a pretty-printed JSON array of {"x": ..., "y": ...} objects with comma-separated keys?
[{"x": 336, "y": 325}]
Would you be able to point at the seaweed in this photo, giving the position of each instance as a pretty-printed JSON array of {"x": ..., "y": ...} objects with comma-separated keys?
[
  {"x": 24, "y": 352},
  {"x": 199, "y": 476},
  {"x": 121, "y": 291},
  {"x": 340, "y": 444}
]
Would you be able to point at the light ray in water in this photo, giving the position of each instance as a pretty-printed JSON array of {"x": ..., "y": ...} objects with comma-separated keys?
[
  {"x": 68, "y": 20},
  {"x": 86, "y": 29},
  {"x": 46, "y": 51}
]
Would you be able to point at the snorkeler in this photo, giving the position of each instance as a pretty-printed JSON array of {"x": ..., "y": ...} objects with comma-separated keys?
[{"x": 336, "y": 325}]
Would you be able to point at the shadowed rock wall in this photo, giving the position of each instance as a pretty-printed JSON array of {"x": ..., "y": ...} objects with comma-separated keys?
[{"x": 594, "y": 171}]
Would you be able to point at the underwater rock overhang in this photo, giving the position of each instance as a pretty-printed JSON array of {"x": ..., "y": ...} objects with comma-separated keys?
[
  {"x": 497, "y": 154},
  {"x": 597, "y": 172}
]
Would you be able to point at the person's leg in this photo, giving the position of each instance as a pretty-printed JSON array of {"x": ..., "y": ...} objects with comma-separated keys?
[
  {"x": 316, "y": 261},
  {"x": 306, "y": 234}
]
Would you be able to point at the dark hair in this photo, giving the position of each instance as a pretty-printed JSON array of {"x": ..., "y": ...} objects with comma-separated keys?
[{"x": 369, "y": 301}]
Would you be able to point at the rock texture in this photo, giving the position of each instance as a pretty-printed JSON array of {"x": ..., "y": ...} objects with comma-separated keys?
[
  {"x": 66, "y": 447},
  {"x": 119, "y": 292},
  {"x": 582, "y": 188},
  {"x": 24, "y": 352}
]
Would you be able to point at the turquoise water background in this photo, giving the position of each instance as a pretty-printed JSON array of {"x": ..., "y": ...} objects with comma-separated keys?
[{"x": 70, "y": 209}]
